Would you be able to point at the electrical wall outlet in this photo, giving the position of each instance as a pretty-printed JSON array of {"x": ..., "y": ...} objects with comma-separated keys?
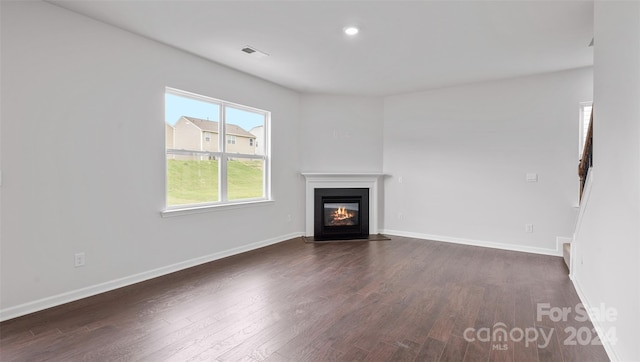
[
  {"x": 528, "y": 228},
  {"x": 79, "y": 259}
]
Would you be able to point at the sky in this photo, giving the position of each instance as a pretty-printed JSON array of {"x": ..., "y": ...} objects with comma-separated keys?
[{"x": 177, "y": 106}]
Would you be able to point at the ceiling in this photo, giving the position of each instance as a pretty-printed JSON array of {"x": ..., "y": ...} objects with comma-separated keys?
[{"x": 403, "y": 46}]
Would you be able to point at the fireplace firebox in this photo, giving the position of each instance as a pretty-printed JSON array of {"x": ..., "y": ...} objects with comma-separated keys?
[{"x": 341, "y": 213}]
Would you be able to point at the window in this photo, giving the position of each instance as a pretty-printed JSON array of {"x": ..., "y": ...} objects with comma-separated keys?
[
  {"x": 585, "y": 118},
  {"x": 204, "y": 168}
]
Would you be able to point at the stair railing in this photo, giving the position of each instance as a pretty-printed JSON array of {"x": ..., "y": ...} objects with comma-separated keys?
[{"x": 587, "y": 156}]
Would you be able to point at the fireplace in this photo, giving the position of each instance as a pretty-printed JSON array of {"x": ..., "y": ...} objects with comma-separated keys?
[
  {"x": 341, "y": 213},
  {"x": 326, "y": 180}
]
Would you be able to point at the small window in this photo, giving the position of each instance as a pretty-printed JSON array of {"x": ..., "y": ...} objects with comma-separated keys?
[
  {"x": 585, "y": 118},
  {"x": 251, "y": 142},
  {"x": 220, "y": 170}
]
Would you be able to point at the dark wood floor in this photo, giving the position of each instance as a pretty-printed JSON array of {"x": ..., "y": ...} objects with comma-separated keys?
[{"x": 395, "y": 300}]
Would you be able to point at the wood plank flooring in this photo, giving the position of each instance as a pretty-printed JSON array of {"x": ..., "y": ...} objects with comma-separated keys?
[{"x": 390, "y": 300}]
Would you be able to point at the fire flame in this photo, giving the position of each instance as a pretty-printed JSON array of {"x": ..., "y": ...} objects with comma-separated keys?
[{"x": 341, "y": 213}]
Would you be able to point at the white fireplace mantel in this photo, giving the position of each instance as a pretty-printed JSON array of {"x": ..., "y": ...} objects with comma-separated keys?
[{"x": 318, "y": 180}]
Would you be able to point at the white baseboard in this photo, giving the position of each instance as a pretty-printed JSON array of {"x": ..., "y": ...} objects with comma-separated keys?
[
  {"x": 89, "y": 291},
  {"x": 487, "y": 244},
  {"x": 597, "y": 324}
]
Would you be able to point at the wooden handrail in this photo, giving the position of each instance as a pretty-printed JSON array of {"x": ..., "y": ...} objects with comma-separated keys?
[{"x": 587, "y": 156}]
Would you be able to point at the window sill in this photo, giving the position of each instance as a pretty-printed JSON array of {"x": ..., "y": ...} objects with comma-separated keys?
[{"x": 217, "y": 207}]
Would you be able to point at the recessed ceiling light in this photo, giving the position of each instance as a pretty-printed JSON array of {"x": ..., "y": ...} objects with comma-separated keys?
[{"x": 351, "y": 30}]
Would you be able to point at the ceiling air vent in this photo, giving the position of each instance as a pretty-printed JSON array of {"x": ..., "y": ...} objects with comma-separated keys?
[{"x": 254, "y": 52}]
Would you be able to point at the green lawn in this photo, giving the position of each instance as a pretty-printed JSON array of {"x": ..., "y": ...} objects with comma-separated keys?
[{"x": 191, "y": 182}]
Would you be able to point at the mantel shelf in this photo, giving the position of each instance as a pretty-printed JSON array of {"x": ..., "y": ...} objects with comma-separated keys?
[{"x": 341, "y": 174}]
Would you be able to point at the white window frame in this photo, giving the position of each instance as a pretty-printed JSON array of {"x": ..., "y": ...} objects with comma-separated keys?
[
  {"x": 582, "y": 127},
  {"x": 222, "y": 156}
]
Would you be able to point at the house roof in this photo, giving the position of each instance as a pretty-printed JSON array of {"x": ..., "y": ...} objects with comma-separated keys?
[{"x": 212, "y": 126}]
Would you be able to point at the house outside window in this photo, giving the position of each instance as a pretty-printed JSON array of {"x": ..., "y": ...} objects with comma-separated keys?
[{"x": 204, "y": 168}]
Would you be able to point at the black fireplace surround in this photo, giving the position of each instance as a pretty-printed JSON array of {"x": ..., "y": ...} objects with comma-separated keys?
[{"x": 341, "y": 213}]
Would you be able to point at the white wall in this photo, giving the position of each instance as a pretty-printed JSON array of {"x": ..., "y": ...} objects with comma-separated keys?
[
  {"x": 82, "y": 155},
  {"x": 83, "y": 163},
  {"x": 341, "y": 133},
  {"x": 458, "y": 158},
  {"x": 607, "y": 245}
]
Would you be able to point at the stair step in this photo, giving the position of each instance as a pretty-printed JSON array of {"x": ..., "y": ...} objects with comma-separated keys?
[{"x": 566, "y": 253}]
